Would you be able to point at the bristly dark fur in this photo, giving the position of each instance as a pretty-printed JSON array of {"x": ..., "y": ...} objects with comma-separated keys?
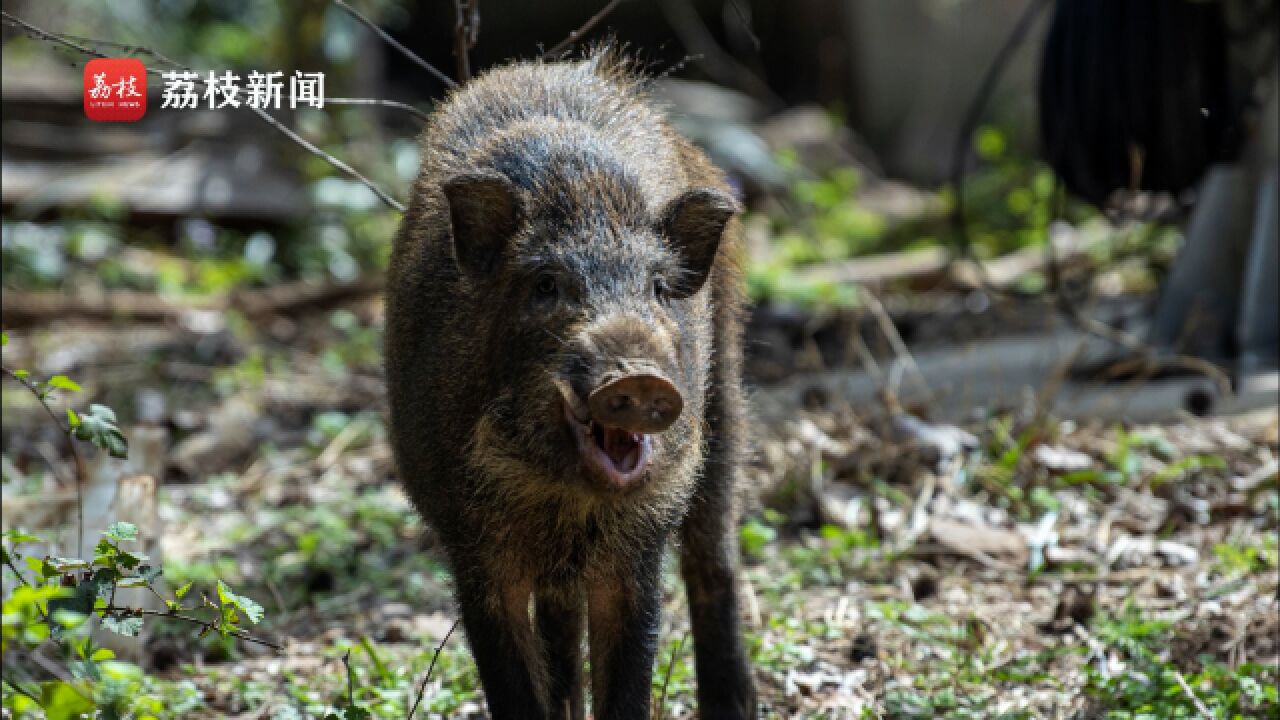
[{"x": 567, "y": 171}]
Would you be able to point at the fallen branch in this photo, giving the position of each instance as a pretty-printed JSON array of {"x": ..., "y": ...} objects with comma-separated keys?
[
  {"x": 925, "y": 265},
  {"x": 26, "y": 309},
  {"x": 302, "y": 296}
]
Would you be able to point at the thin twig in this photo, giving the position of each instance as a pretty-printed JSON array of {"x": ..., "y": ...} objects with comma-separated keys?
[
  {"x": 746, "y": 24},
  {"x": 380, "y": 103},
  {"x": 722, "y": 66},
  {"x": 414, "y": 57},
  {"x": 8, "y": 560},
  {"x": 864, "y": 354},
  {"x": 207, "y": 624},
  {"x": 666, "y": 680},
  {"x": 341, "y": 166},
  {"x": 960, "y": 151},
  {"x": 262, "y": 114},
  {"x": 20, "y": 690},
  {"x": 422, "y": 689},
  {"x": 351, "y": 681},
  {"x": 75, "y": 454},
  {"x": 562, "y": 47},
  {"x": 891, "y": 334},
  {"x": 125, "y": 47}
]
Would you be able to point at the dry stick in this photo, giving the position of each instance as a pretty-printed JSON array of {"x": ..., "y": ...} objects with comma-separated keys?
[
  {"x": 1048, "y": 394},
  {"x": 895, "y": 340},
  {"x": 675, "y": 655},
  {"x": 262, "y": 114},
  {"x": 567, "y": 44},
  {"x": 414, "y": 57},
  {"x": 75, "y": 454},
  {"x": 422, "y": 689},
  {"x": 1200, "y": 708},
  {"x": 380, "y": 103},
  {"x": 864, "y": 354}
]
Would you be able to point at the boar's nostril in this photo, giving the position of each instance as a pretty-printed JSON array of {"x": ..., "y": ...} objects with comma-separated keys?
[{"x": 638, "y": 403}]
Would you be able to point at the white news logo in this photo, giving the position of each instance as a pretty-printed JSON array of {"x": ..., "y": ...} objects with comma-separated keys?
[{"x": 261, "y": 90}]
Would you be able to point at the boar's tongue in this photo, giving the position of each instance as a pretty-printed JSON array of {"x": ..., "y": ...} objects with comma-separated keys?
[{"x": 622, "y": 446}]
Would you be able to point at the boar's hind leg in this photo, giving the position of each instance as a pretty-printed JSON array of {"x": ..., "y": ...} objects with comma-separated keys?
[
  {"x": 706, "y": 562},
  {"x": 708, "y": 552},
  {"x": 561, "y": 622},
  {"x": 496, "y": 619}
]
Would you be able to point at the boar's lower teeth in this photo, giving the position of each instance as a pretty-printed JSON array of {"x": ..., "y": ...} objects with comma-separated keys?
[{"x": 622, "y": 446}]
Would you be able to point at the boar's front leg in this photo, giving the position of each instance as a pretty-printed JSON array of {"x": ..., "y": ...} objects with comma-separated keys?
[
  {"x": 496, "y": 619},
  {"x": 560, "y": 610},
  {"x": 624, "y": 610},
  {"x": 707, "y": 564}
]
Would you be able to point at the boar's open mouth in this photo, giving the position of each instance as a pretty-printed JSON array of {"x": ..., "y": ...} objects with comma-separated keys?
[{"x": 616, "y": 455}]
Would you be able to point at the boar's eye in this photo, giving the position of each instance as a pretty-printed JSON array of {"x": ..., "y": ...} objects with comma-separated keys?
[
  {"x": 546, "y": 286},
  {"x": 660, "y": 288}
]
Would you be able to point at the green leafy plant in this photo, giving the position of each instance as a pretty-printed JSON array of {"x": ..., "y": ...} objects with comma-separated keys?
[
  {"x": 48, "y": 613},
  {"x": 49, "y": 608},
  {"x": 1153, "y": 683}
]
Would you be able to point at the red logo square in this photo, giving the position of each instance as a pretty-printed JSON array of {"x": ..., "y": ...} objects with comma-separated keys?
[{"x": 115, "y": 90}]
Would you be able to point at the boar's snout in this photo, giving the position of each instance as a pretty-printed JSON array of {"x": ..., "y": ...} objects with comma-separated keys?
[{"x": 643, "y": 402}]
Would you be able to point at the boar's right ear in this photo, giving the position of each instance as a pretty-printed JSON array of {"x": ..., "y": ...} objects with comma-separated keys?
[
  {"x": 693, "y": 223},
  {"x": 484, "y": 211}
]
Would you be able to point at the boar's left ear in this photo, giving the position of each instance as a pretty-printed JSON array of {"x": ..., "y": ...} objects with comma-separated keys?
[
  {"x": 485, "y": 211},
  {"x": 693, "y": 223}
]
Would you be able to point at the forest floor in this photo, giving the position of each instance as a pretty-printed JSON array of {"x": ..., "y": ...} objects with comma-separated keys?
[{"x": 1020, "y": 566}]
